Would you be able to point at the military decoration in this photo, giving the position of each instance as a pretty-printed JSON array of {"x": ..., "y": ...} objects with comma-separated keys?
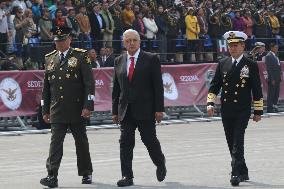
[
  {"x": 245, "y": 71},
  {"x": 50, "y": 66},
  {"x": 72, "y": 62},
  {"x": 88, "y": 60},
  {"x": 67, "y": 76}
]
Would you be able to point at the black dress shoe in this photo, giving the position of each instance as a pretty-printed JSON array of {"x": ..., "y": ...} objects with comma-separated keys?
[
  {"x": 161, "y": 173},
  {"x": 49, "y": 181},
  {"x": 244, "y": 177},
  {"x": 87, "y": 179},
  {"x": 125, "y": 182},
  {"x": 235, "y": 180}
]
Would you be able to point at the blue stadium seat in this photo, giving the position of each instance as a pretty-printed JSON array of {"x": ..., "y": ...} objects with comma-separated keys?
[
  {"x": 207, "y": 41},
  {"x": 180, "y": 41}
]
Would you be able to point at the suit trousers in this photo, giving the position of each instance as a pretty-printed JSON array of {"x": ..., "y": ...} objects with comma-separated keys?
[
  {"x": 234, "y": 128},
  {"x": 272, "y": 94},
  {"x": 78, "y": 131},
  {"x": 147, "y": 129}
]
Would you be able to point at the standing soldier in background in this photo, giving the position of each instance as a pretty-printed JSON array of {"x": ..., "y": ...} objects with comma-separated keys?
[
  {"x": 68, "y": 94},
  {"x": 273, "y": 68},
  {"x": 258, "y": 52},
  {"x": 239, "y": 79}
]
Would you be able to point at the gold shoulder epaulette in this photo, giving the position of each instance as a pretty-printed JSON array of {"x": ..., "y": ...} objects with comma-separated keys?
[
  {"x": 50, "y": 53},
  {"x": 80, "y": 50}
]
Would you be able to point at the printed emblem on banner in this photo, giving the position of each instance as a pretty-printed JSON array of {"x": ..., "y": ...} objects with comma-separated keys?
[
  {"x": 244, "y": 71},
  {"x": 170, "y": 89},
  {"x": 209, "y": 76},
  {"x": 11, "y": 93},
  {"x": 72, "y": 62}
]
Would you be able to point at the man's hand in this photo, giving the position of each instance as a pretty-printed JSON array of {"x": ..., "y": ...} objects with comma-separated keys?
[
  {"x": 256, "y": 118},
  {"x": 86, "y": 113},
  {"x": 115, "y": 119},
  {"x": 159, "y": 116},
  {"x": 46, "y": 118},
  {"x": 210, "y": 111}
]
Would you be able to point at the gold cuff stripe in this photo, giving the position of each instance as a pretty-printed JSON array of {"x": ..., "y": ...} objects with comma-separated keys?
[
  {"x": 211, "y": 97},
  {"x": 258, "y": 104}
]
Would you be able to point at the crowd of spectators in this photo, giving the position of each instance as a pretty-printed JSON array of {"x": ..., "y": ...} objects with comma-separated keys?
[{"x": 178, "y": 30}]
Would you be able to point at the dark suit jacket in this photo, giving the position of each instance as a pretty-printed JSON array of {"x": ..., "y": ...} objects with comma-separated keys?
[
  {"x": 238, "y": 85},
  {"x": 145, "y": 93},
  {"x": 109, "y": 61},
  {"x": 95, "y": 26},
  {"x": 273, "y": 69},
  {"x": 67, "y": 86}
]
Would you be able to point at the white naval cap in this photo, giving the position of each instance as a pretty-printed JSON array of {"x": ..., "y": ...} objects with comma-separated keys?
[
  {"x": 235, "y": 36},
  {"x": 259, "y": 44}
]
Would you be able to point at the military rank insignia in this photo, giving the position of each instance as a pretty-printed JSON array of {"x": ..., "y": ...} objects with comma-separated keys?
[
  {"x": 72, "y": 62},
  {"x": 244, "y": 71}
]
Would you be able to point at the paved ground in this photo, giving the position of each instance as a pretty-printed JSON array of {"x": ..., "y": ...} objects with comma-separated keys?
[{"x": 197, "y": 158}]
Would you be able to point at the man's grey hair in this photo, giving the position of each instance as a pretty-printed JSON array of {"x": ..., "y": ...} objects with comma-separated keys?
[{"x": 130, "y": 31}]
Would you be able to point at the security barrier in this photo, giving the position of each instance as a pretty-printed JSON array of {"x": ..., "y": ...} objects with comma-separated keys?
[{"x": 185, "y": 91}]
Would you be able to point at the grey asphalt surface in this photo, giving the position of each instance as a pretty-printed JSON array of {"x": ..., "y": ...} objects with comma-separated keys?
[{"x": 196, "y": 153}]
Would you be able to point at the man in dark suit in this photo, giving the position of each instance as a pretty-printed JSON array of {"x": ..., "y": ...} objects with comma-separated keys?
[
  {"x": 273, "y": 68},
  {"x": 97, "y": 26},
  {"x": 239, "y": 79},
  {"x": 67, "y": 101},
  {"x": 109, "y": 57},
  {"x": 137, "y": 101}
]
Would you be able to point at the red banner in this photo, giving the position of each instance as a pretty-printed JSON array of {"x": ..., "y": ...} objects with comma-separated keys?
[{"x": 184, "y": 85}]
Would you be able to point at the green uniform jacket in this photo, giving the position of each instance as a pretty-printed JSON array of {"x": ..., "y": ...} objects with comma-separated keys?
[{"x": 68, "y": 86}]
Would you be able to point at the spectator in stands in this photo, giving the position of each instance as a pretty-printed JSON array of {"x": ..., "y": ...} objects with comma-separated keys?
[
  {"x": 163, "y": 29},
  {"x": 72, "y": 23},
  {"x": 118, "y": 28},
  {"x": 192, "y": 34},
  {"x": 273, "y": 67},
  {"x": 261, "y": 26},
  {"x": 203, "y": 24},
  {"x": 136, "y": 9},
  {"x": 174, "y": 29},
  {"x": 20, "y": 24},
  {"x": 93, "y": 57},
  {"x": 109, "y": 24},
  {"x": 85, "y": 28},
  {"x": 139, "y": 26},
  {"x": 238, "y": 22},
  {"x": 248, "y": 27},
  {"x": 45, "y": 25},
  {"x": 97, "y": 26},
  {"x": 127, "y": 16},
  {"x": 4, "y": 31},
  {"x": 37, "y": 10},
  {"x": 151, "y": 30},
  {"x": 274, "y": 23},
  {"x": 59, "y": 20},
  {"x": 102, "y": 56}
]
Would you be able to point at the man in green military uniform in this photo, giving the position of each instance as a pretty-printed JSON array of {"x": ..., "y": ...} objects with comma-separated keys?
[
  {"x": 68, "y": 95},
  {"x": 239, "y": 79}
]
